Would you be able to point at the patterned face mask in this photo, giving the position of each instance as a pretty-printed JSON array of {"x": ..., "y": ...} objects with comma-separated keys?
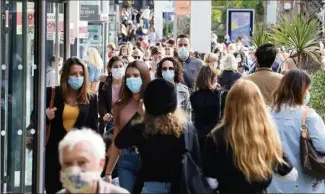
[{"x": 76, "y": 180}]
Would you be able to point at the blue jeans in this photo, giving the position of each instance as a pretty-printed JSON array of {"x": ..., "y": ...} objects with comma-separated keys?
[
  {"x": 145, "y": 24},
  {"x": 128, "y": 166},
  {"x": 156, "y": 187}
]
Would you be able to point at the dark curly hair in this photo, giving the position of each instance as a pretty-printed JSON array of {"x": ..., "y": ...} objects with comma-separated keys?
[{"x": 177, "y": 66}]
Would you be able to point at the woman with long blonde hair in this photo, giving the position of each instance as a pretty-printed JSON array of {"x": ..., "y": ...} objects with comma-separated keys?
[
  {"x": 159, "y": 139},
  {"x": 95, "y": 66},
  {"x": 245, "y": 150}
]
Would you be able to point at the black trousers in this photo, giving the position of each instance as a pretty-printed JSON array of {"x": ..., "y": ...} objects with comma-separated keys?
[{"x": 52, "y": 173}]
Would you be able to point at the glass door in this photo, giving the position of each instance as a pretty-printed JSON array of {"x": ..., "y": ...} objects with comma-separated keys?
[{"x": 17, "y": 36}]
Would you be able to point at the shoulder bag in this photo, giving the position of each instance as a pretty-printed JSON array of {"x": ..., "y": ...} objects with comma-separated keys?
[
  {"x": 313, "y": 162},
  {"x": 192, "y": 179}
]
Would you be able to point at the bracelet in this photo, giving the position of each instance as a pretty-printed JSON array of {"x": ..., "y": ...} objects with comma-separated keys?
[{"x": 108, "y": 174}]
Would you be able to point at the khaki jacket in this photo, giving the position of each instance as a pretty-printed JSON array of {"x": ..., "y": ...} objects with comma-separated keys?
[
  {"x": 267, "y": 81},
  {"x": 104, "y": 187}
]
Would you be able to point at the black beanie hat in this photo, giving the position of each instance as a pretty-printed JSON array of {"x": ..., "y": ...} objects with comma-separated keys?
[{"x": 160, "y": 97}]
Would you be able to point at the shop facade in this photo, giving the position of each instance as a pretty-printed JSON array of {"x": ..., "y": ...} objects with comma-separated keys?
[{"x": 30, "y": 33}]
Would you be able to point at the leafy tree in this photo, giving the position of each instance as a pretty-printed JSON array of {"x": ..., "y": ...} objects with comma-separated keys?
[{"x": 318, "y": 92}]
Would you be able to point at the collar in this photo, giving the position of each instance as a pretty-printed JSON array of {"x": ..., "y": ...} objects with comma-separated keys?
[
  {"x": 264, "y": 69},
  {"x": 188, "y": 60}
]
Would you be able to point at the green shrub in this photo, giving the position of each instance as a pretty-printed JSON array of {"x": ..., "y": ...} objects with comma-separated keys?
[{"x": 317, "y": 100}]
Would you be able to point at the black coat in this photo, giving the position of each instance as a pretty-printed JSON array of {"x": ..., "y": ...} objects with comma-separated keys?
[
  {"x": 206, "y": 110},
  {"x": 104, "y": 101},
  {"x": 228, "y": 78},
  {"x": 88, "y": 117}
]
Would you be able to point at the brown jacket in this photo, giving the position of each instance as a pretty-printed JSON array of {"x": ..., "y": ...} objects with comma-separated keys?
[
  {"x": 267, "y": 81},
  {"x": 104, "y": 187}
]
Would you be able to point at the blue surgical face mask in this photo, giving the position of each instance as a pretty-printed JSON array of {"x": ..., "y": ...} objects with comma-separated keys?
[
  {"x": 183, "y": 53},
  {"x": 134, "y": 84},
  {"x": 307, "y": 98},
  {"x": 168, "y": 75},
  {"x": 75, "y": 82}
]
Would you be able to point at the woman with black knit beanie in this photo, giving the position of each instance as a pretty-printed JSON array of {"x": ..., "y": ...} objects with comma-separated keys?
[{"x": 159, "y": 139}]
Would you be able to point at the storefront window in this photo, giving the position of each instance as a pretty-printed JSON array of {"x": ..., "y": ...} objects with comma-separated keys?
[
  {"x": 18, "y": 87},
  {"x": 17, "y": 72}
]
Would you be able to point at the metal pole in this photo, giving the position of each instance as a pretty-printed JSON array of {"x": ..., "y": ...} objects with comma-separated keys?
[
  {"x": 57, "y": 43},
  {"x": 1, "y": 34},
  {"x": 6, "y": 95},
  {"x": 41, "y": 15},
  {"x": 67, "y": 30},
  {"x": 25, "y": 66},
  {"x": 105, "y": 56},
  {"x": 175, "y": 22}
]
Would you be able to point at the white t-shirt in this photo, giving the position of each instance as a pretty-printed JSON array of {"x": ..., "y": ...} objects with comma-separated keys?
[{"x": 146, "y": 14}]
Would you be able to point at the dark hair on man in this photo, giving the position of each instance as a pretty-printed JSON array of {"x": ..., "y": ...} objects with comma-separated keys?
[
  {"x": 140, "y": 38},
  {"x": 182, "y": 36},
  {"x": 171, "y": 42},
  {"x": 53, "y": 59},
  {"x": 265, "y": 55}
]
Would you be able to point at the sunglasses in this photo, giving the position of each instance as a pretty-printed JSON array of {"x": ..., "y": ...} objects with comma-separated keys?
[
  {"x": 168, "y": 68},
  {"x": 136, "y": 57}
]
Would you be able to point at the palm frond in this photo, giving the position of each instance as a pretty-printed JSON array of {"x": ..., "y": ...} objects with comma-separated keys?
[
  {"x": 260, "y": 36},
  {"x": 299, "y": 33}
]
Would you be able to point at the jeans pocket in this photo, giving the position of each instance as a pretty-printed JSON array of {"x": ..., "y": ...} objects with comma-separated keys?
[{"x": 156, "y": 187}]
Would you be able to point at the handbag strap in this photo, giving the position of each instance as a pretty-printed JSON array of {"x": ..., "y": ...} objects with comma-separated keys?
[
  {"x": 52, "y": 98},
  {"x": 303, "y": 127}
]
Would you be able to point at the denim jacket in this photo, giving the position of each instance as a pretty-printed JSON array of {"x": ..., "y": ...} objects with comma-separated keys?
[
  {"x": 93, "y": 73},
  {"x": 288, "y": 122}
]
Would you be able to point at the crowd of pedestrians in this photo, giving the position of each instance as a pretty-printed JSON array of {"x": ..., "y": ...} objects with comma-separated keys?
[{"x": 159, "y": 119}]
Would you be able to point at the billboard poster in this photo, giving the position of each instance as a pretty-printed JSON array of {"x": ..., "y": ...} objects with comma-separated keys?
[{"x": 240, "y": 22}]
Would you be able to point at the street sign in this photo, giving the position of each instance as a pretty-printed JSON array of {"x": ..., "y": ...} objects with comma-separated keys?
[{"x": 89, "y": 12}]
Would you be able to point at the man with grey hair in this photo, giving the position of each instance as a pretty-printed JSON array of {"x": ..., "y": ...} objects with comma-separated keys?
[{"x": 82, "y": 159}]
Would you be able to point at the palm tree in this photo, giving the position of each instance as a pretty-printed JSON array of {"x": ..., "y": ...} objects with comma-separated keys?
[
  {"x": 299, "y": 34},
  {"x": 260, "y": 35}
]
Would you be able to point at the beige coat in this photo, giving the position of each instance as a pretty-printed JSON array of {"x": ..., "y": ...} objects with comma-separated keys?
[
  {"x": 104, "y": 187},
  {"x": 267, "y": 81}
]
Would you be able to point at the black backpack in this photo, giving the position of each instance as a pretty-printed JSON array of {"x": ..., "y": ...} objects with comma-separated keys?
[{"x": 192, "y": 179}]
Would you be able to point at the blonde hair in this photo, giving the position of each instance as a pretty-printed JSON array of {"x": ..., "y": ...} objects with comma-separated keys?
[
  {"x": 168, "y": 124},
  {"x": 229, "y": 63},
  {"x": 250, "y": 132},
  {"x": 209, "y": 57},
  {"x": 94, "y": 58},
  {"x": 111, "y": 45}
]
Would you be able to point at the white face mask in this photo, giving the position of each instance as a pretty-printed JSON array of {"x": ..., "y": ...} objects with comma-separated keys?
[
  {"x": 118, "y": 73},
  {"x": 124, "y": 53},
  {"x": 76, "y": 180}
]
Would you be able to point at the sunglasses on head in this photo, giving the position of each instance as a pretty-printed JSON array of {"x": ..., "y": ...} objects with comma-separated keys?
[
  {"x": 168, "y": 68},
  {"x": 136, "y": 57}
]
